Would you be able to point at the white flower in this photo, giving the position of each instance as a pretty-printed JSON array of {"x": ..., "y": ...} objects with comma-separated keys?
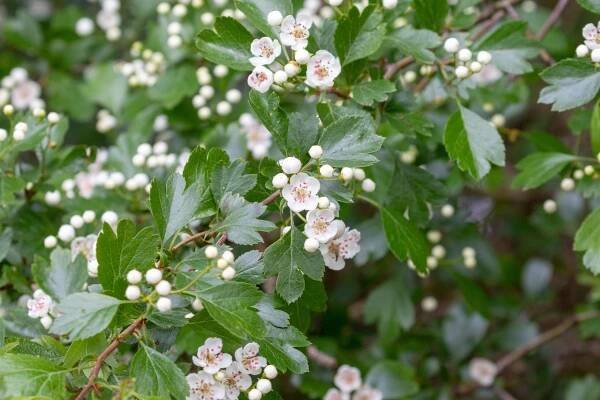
[
  {"x": 591, "y": 34},
  {"x": 260, "y": 79},
  {"x": 319, "y": 225},
  {"x": 295, "y": 31},
  {"x": 87, "y": 247},
  {"x": 25, "y": 94},
  {"x": 258, "y": 137},
  {"x": 265, "y": 51},
  {"x": 342, "y": 248},
  {"x": 322, "y": 69},
  {"x": 367, "y": 393},
  {"x": 235, "y": 380},
  {"x": 249, "y": 360},
  {"x": 482, "y": 371},
  {"x": 335, "y": 394},
  {"x": 40, "y": 305},
  {"x": 301, "y": 192},
  {"x": 347, "y": 378},
  {"x": 204, "y": 387},
  {"x": 210, "y": 357}
]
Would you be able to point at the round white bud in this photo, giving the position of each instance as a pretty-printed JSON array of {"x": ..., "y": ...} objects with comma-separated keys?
[
  {"x": 429, "y": 304},
  {"x": 163, "y": 304},
  {"x": 475, "y": 66},
  {"x": 52, "y": 198},
  {"x": 163, "y": 288},
  {"x": 8, "y": 110},
  {"x": 223, "y": 108},
  {"x": 323, "y": 202},
  {"x": 53, "y": 118},
  {"x": 233, "y": 96},
  {"x": 358, "y": 174},
  {"x": 138, "y": 160},
  {"x": 84, "y": 26},
  {"x": 274, "y": 18},
  {"x": 470, "y": 262},
  {"x": 451, "y": 45},
  {"x": 270, "y": 372},
  {"x": 567, "y": 184},
  {"x": 410, "y": 76},
  {"x": 18, "y": 135},
  {"x": 291, "y": 68},
  {"x": 220, "y": 71},
  {"x": 228, "y": 256},
  {"x": 464, "y": 55},
  {"x": 301, "y": 56},
  {"x": 438, "y": 251},
  {"x": 434, "y": 236},
  {"x": 432, "y": 262},
  {"x": 346, "y": 174},
  {"x": 228, "y": 273},
  {"x": 447, "y": 210},
  {"x": 179, "y": 10},
  {"x": 110, "y": 217},
  {"x": 390, "y": 4},
  {"x": 89, "y": 216},
  {"x": 144, "y": 149},
  {"x": 315, "y": 152},
  {"x": 77, "y": 221},
  {"x": 207, "y": 18},
  {"x": 368, "y": 185},
  {"x": 326, "y": 170},
  {"x": 550, "y": 206},
  {"x": 174, "y": 28},
  {"x": 589, "y": 170},
  {"x": 66, "y": 233},
  {"x": 498, "y": 120},
  {"x": 3, "y": 134},
  {"x": 153, "y": 276},
  {"x": 484, "y": 57},
  {"x": 197, "y": 304},
  {"x": 174, "y": 41},
  {"x": 468, "y": 252},
  {"x": 134, "y": 276},
  {"x": 311, "y": 245},
  {"x": 582, "y": 51},
  {"x": 280, "y": 76},
  {"x": 50, "y": 242},
  {"x": 163, "y": 8},
  {"x": 578, "y": 174},
  {"x": 222, "y": 263},
  {"x": 204, "y": 113},
  {"x": 280, "y": 180},
  {"x": 207, "y": 91},
  {"x": 461, "y": 72},
  {"x": 211, "y": 252},
  {"x": 290, "y": 165},
  {"x": 264, "y": 385},
  {"x": 133, "y": 292},
  {"x": 254, "y": 394},
  {"x": 335, "y": 3}
]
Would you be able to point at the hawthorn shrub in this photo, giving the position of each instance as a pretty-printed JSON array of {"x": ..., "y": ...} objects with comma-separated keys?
[{"x": 288, "y": 199}]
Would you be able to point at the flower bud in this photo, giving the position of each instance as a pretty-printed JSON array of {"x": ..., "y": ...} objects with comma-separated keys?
[
  {"x": 228, "y": 273},
  {"x": 368, "y": 185},
  {"x": 290, "y": 165},
  {"x": 274, "y": 18},
  {"x": 132, "y": 292},
  {"x": 451, "y": 45},
  {"x": 270, "y": 372},
  {"x": 134, "y": 276},
  {"x": 311, "y": 245},
  {"x": 280, "y": 180},
  {"x": 326, "y": 170},
  {"x": 163, "y": 304},
  {"x": 153, "y": 276},
  {"x": 315, "y": 152},
  {"x": 211, "y": 252}
]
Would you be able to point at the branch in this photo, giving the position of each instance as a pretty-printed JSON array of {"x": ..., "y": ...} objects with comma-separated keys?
[
  {"x": 189, "y": 239},
  {"x": 554, "y": 16},
  {"x": 107, "y": 352}
]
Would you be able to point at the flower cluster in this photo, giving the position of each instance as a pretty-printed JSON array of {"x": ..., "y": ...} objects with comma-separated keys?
[
  {"x": 153, "y": 277},
  {"x": 224, "y": 263},
  {"x": 41, "y": 306},
  {"x": 591, "y": 43},
  {"x": 464, "y": 65},
  {"x": 349, "y": 383},
  {"x": 156, "y": 156},
  {"x": 206, "y": 93},
  {"x": 21, "y": 92},
  {"x": 105, "y": 121},
  {"x": 146, "y": 67},
  {"x": 482, "y": 371},
  {"x": 222, "y": 376},
  {"x": 324, "y": 232},
  {"x": 109, "y": 19},
  {"x": 321, "y": 68},
  {"x": 258, "y": 137}
]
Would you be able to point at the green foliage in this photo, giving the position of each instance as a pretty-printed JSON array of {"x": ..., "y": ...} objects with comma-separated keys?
[
  {"x": 573, "y": 83},
  {"x": 228, "y": 44},
  {"x": 430, "y": 14},
  {"x": 374, "y": 91},
  {"x": 537, "y": 168},
  {"x": 587, "y": 239},
  {"x": 28, "y": 375},
  {"x": 359, "y": 34},
  {"x": 157, "y": 375},
  {"x": 61, "y": 276}
]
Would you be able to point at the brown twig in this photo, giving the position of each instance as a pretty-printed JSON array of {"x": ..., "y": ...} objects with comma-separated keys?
[
  {"x": 554, "y": 16},
  {"x": 189, "y": 239},
  {"x": 107, "y": 352},
  {"x": 392, "y": 69}
]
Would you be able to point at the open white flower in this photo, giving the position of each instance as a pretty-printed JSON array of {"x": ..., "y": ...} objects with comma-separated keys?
[
  {"x": 319, "y": 225},
  {"x": 257, "y": 136},
  {"x": 322, "y": 69},
  {"x": 265, "y": 51},
  {"x": 335, "y": 394},
  {"x": 210, "y": 357},
  {"x": 260, "y": 79},
  {"x": 295, "y": 31},
  {"x": 204, "y": 387},
  {"x": 85, "y": 246},
  {"x": 249, "y": 360},
  {"x": 25, "y": 94},
  {"x": 482, "y": 371},
  {"x": 591, "y": 34},
  {"x": 347, "y": 378},
  {"x": 367, "y": 393},
  {"x": 235, "y": 380},
  {"x": 302, "y": 192},
  {"x": 342, "y": 248},
  {"x": 40, "y": 305}
]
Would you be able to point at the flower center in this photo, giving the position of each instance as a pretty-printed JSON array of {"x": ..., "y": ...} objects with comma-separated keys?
[
  {"x": 321, "y": 70},
  {"x": 299, "y": 32},
  {"x": 301, "y": 193},
  {"x": 320, "y": 225},
  {"x": 266, "y": 51}
]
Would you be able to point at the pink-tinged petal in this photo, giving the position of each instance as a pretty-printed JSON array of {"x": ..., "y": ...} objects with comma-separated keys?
[
  {"x": 255, "y": 47},
  {"x": 305, "y": 19},
  {"x": 288, "y": 23},
  {"x": 251, "y": 349},
  {"x": 592, "y": 44},
  {"x": 287, "y": 39},
  {"x": 589, "y": 32},
  {"x": 214, "y": 345},
  {"x": 224, "y": 360}
]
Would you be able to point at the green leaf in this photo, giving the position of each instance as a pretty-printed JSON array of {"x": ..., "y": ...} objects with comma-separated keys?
[
  {"x": 430, "y": 14},
  {"x": 119, "y": 253},
  {"x": 5, "y": 241},
  {"x": 398, "y": 313},
  {"x": 28, "y": 375},
  {"x": 415, "y": 43},
  {"x": 172, "y": 205},
  {"x": 61, "y": 277},
  {"x": 404, "y": 239},
  {"x": 155, "y": 374},
  {"x": 394, "y": 379},
  {"x": 349, "y": 141},
  {"x": 82, "y": 315},
  {"x": 228, "y": 44},
  {"x": 473, "y": 143},
  {"x": 23, "y": 31},
  {"x": 462, "y": 332},
  {"x": 358, "y": 35},
  {"x": 106, "y": 86},
  {"x": 365, "y": 93},
  {"x": 287, "y": 259},
  {"x": 595, "y": 128},
  {"x": 591, "y": 5},
  {"x": 411, "y": 124},
  {"x": 231, "y": 179},
  {"x": 587, "y": 239},
  {"x": 474, "y": 296},
  {"x": 267, "y": 109},
  {"x": 241, "y": 223},
  {"x": 81, "y": 349},
  {"x": 510, "y": 47},
  {"x": 538, "y": 168},
  {"x": 302, "y": 132},
  {"x": 284, "y": 356},
  {"x": 573, "y": 83},
  {"x": 249, "y": 267},
  {"x": 174, "y": 85},
  {"x": 257, "y": 11}
]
